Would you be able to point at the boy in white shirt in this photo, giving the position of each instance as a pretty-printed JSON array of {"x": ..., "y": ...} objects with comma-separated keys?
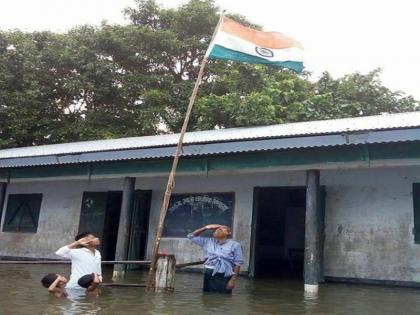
[{"x": 85, "y": 258}]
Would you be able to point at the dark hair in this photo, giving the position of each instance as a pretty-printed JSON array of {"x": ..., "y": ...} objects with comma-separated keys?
[
  {"x": 48, "y": 279},
  {"x": 82, "y": 235},
  {"x": 86, "y": 281}
]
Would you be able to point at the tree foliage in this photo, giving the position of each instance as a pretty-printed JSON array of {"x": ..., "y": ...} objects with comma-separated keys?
[{"x": 127, "y": 80}]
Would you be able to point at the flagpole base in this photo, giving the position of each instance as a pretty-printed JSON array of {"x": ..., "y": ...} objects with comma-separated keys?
[
  {"x": 118, "y": 275},
  {"x": 311, "y": 288}
]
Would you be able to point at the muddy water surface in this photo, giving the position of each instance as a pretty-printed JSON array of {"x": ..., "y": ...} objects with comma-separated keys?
[{"x": 21, "y": 293}]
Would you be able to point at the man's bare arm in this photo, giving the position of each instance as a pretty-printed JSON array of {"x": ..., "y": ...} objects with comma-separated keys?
[
  {"x": 53, "y": 289},
  {"x": 205, "y": 228},
  {"x": 95, "y": 284},
  {"x": 232, "y": 282}
]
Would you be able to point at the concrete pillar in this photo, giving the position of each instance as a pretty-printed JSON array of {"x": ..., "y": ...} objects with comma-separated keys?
[
  {"x": 121, "y": 251},
  {"x": 3, "y": 187},
  {"x": 313, "y": 233}
]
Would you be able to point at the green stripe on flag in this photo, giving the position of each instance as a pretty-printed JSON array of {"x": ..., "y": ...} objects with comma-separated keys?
[{"x": 220, "y": 52}]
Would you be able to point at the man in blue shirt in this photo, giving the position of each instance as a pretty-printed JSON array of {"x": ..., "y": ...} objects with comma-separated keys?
[{"x": 223, "y": 258}]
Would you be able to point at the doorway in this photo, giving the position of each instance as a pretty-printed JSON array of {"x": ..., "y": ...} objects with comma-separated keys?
[
  {"x": 278, "y": 232},
  {"x": 139, "y": 229},
  {"x": 110, "y": 230},
  {"x": 100, "y": 215}
]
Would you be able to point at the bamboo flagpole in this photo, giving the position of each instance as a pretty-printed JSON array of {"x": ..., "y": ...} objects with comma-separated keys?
[{"x": 171, "y": 178}]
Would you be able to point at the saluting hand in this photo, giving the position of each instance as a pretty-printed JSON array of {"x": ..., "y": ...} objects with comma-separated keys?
[
  {"x": 96, "y": 278},
  {"x": 213, "y": 226},
  {"x": 62, "y": 279},
  {"x": 84, "y": 241}
]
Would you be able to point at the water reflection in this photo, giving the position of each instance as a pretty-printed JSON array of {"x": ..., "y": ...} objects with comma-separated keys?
[
  {"x": 310, "y": 296},
  {"x": 22, "y": 293}
]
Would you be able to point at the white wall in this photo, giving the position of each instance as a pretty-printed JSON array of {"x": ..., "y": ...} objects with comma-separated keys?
[
  {"x": 369, "y": 217},
  {"x": 58, "y": 218},
  {"x": 369, "y": 222}
]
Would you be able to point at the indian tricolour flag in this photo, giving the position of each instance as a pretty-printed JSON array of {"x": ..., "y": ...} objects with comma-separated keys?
[{"x": 236, "y": 42}]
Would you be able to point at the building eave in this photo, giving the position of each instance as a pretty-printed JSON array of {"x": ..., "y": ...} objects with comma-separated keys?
[
  {"x": 220, "y": 148},
  {"x": 323, "y": 158}
]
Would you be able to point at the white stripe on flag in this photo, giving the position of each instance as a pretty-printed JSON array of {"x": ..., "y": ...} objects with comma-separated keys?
[{"x": 238, "y": 44}]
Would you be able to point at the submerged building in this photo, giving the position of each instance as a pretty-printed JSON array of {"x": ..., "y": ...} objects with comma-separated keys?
[{"x": 335, "y": 199}]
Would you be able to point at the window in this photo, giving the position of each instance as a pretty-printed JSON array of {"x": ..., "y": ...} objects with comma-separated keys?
[
  {"x": 22, "y": 213},
  {"x": 416, "y": 200},
  {"x": 188, "y": 212}
]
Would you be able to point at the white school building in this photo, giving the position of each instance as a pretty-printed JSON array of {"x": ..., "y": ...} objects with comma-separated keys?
[{"x": 335, "y": 200}]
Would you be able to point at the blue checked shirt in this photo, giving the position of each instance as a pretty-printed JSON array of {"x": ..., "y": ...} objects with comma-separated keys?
[{"x": 220, "y": 257}]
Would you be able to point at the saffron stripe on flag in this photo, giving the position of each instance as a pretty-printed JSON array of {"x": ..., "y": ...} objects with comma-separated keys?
[{"x": 274, "y": 40}]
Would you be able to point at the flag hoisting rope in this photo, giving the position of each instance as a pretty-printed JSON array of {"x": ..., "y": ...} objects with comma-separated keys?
[{"x": 230, "y": 41}]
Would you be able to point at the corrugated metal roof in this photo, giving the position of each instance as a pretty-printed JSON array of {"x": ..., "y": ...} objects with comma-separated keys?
[
  {"x": 193, "y": 150},
  {"x": 292, "y": 130}
]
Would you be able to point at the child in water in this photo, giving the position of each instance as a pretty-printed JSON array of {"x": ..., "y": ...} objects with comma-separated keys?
[
  {"x": 55, "y": 284},
  {"x": 91, "y": 283}
]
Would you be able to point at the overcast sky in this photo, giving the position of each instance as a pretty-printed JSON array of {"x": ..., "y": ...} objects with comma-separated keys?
[{"x": 340, "y": 36}]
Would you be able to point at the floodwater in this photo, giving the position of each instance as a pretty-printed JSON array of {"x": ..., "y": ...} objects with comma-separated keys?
[{"x": 22, "y": 293}]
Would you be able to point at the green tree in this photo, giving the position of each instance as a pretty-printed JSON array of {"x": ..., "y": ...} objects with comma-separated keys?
[
  {"x": 28, "y": 113},
  {"x": 127, "y": 80}
]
